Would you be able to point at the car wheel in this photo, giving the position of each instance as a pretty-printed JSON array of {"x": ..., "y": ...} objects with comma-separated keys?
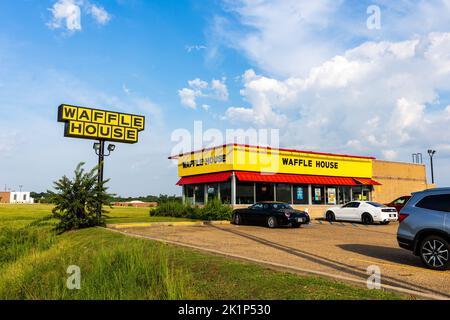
[
  {"x": 366, "y": 218},
  {"x": 296, "y": 225},
  {"x": 434, "y": 252},
  {"x": 237, "y": 219},
  {"x": 330, "y": 216},
  {"x": 272, "y": 222}
]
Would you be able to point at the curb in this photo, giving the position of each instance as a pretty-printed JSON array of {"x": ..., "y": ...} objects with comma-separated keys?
[{"x": 167, "y": 224}]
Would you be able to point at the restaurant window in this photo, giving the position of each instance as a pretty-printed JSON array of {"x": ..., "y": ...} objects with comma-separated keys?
[
  {"x": 318, "y": 195},
  {"x": 301, "y": 194},
  {"x": 343, "y": 195},
  {"x": 225, "y": 192},
  {"x": 212, "y": 190},
  {"x": 331, "y": 195},
  {"x": 284, "y": 193},
  {"x": 356, "y": 193},
  {"x": 189, "y": 194},
  {"x": 366, "y": 193},
  {"x": 199, "y": 191},
  {"x": 244, "y": 192},
  {"x": 264, "y": 191},
  {"x": 361, "y": 193}
]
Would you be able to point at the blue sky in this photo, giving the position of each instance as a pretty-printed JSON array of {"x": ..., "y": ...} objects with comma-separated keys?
[{"x": 313, "y": 70}]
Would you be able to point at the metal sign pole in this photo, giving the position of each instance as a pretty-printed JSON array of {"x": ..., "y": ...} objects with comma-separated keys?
[{"x": 101, "y": 158}]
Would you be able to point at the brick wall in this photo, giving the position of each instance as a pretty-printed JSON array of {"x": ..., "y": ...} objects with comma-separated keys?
[
  {"x": 4, "y": 197},
  {"x": 398, "y": 179}
]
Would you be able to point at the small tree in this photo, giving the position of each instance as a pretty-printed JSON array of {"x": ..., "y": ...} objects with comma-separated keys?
[{"x": 79, "y": 202}]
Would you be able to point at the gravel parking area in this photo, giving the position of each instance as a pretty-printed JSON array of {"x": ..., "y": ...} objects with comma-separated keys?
[{"x": 343, "y": 249}]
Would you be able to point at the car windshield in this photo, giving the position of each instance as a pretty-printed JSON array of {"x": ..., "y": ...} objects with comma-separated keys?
[
  {"x": 376, "y": 204},
  {"x": 281, "y": 206}
]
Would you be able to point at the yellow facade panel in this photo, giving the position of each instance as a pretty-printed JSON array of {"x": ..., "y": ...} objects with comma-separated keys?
[{"x": 244, "y": 158}]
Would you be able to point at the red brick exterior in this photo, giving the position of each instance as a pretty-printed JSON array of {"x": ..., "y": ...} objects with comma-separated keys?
[
  {"x": 4, "y": 197},
  {"x": 136, "y": 204}
]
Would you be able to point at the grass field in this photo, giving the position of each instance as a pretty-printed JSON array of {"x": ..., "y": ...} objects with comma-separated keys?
[
  {"x": 20, "y": 215},
  {"x": 34, "y": 260}
]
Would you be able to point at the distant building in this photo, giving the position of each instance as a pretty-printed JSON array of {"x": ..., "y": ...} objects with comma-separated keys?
[
  {"x": 135, "y": 204},
  {"x": 4, "y": 197},
  {"x": 16, "y": 197}
]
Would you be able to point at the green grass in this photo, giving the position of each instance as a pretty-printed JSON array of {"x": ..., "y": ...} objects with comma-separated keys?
[
  {"x": 20, "y": 215},
  {"x": 33, "y": 264},
  {"x": 131, "y": 214}
]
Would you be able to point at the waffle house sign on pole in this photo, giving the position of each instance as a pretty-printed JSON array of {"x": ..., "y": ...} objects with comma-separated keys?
[
  {"x": 101, "y": 125},
  {"x": 95, "y": 124}
]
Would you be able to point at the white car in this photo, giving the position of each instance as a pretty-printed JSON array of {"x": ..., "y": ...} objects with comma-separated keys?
[{"x": 366, "y": 212}]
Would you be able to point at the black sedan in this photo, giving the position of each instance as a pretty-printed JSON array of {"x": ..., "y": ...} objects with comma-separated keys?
[{"x": 270, "y": 214}]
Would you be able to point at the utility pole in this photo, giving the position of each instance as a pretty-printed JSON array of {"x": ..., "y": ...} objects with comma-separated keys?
[{"x": 431, "y": 154}]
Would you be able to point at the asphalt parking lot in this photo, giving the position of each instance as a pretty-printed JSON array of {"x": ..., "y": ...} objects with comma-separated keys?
[{"x": 342, "y": 249}]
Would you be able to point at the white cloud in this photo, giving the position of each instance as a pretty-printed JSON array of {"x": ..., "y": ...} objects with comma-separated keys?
[
  {"x": 187, "y": 97},
  {"x": 125, "y": 89},
  {"x": 288, "y": 38},
  {"x": 220, "y": 89},
  {"x": 100, "y": 15},
  {"x": 198, "y": 84},
  {"x": 195, "y": 47},
  {"x": 198, "y": 88},
  {"x": 389, "y": 155},
  {"x": 66, "y": 14},
  {"x": 281, "y": 37},
  {"x": 371, "y": 99}
]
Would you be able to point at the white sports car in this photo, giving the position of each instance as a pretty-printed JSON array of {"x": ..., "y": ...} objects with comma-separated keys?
[{"x": 366, "y": 212}]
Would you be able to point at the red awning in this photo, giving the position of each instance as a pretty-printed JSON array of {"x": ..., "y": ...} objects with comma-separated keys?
[
  {"x": 205, "y": 178},
  {"x": 367, "y": 181},
  {"x": 277, "y": 178},
  {"x": 295, "y": 178}
]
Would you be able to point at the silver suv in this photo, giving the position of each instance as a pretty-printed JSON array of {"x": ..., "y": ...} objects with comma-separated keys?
[{"x": 425, "y": 227}]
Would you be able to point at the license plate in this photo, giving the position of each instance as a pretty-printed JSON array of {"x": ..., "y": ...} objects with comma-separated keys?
[
  {"x": 300, "y": 219},
  {"x": 393, "y": 215}
]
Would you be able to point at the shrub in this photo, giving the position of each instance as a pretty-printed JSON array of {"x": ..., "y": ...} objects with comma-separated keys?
[
  {"x": 170, "y": 209},
  {"x": 213, "y": 210},
  {"x": 79, "y": 202}
]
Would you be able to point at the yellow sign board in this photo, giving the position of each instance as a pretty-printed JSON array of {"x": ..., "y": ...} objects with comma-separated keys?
[
  {"x": 87, "y": 123},
  {"x": 255, "y": 159}
]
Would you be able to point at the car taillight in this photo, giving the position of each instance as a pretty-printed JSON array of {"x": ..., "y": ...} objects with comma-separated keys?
[{"x": 402, "y": 216}]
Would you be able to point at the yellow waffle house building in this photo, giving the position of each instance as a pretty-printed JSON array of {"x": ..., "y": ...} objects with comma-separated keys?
[{"x": 241, "y": 175}]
